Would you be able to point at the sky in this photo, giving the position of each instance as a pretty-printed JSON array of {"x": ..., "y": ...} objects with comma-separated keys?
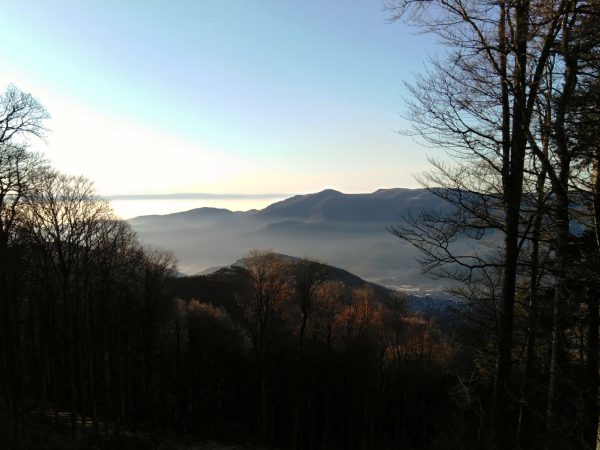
[{"x": 224, "y": 97}]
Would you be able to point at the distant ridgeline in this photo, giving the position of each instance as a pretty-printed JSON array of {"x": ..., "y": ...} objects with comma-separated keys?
[{"x": 345, "y": 230}]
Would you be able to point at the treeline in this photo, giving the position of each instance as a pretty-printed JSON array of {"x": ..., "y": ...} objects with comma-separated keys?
[
  {"x": 81, "y": 301},
  {"x": 515, "y": 102}
]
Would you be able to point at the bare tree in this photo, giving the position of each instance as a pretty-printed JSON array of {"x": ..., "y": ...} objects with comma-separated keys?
[
  {"x": 270, "y": 289},
  {"x": 64, "y": 220},
  {"x": 21, "y": 116},
  {"x": 479, "y": 104},
  {"x": 308, "y": 276},
  {"x": 329, "y": 301}
]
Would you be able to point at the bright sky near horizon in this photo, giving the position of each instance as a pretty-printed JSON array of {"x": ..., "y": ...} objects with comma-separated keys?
[{"x": 155, "y": 97}]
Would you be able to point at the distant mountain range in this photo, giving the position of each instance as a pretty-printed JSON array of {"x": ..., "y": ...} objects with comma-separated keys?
[
  {"x": 346, "y": 230},
  {"x": 382, "y": 206}
]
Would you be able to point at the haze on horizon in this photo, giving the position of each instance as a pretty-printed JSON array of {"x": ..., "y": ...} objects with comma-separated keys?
[
  {"x": 150, "y": 98},
  {"x": 130, "y": 206}
]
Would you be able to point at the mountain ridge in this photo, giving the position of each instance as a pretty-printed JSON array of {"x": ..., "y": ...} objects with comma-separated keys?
[
  {"x": 328, "y": 204},
  {"x": 349, "y": 231}
]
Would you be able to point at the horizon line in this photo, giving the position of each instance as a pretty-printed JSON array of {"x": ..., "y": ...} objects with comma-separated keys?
[
  {"x": 191, "y": 195},
  {"x": 231, "y": 196}
]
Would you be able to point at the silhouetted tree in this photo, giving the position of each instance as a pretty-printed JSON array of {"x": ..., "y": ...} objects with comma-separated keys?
[
  {"x": 270, "y": 293},
  {"x": 483, "y": 103},
  {"x": 21, "y": 118}
]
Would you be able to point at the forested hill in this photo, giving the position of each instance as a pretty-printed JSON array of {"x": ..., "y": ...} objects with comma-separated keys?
[
  {"x": 294, "y": 347},
  {"x": 226, "y": 285}
]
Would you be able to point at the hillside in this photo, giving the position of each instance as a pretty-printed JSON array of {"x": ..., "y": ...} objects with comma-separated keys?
[{"x": 226, "y": 284}]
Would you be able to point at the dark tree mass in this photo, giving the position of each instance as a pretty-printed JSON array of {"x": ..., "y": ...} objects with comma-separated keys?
[
  {"x": 514, "y": 102},
  {"x": 103, "y": 344}
]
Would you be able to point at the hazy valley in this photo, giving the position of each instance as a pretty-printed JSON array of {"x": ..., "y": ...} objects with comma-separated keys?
[{"x": 349, "y": 231}]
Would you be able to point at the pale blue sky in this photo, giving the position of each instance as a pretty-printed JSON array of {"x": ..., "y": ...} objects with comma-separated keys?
[{"x": 236, "y": 96}]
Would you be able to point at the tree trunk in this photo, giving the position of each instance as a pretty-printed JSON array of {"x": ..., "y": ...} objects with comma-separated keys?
[
  {"x": 591, "y": 413},
  {"x": 561, "y": 191},
  {"x": 501, "y": 426}
]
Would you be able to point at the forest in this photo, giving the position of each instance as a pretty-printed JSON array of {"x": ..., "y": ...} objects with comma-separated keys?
[
  {"x": 101, "y": 339},
  {"x": 103, "y": 345}
]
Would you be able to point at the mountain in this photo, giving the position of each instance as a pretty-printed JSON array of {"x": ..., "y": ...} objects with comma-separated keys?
[
  {"x": 191, "y": 218},
  {"x": 382, "y": 206},
  {"x": 347, "y": 230}
]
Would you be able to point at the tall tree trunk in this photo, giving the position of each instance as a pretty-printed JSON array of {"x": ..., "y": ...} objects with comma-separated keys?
[
  {"x": 559, "y": 298},
  {"x": 591, "y": 413},
  {"x": 524, "y": 414},
  {"x": 561, "y": 192},
  {"x": 501, "y": 427},
  {"x": 10, "y": 335}
]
